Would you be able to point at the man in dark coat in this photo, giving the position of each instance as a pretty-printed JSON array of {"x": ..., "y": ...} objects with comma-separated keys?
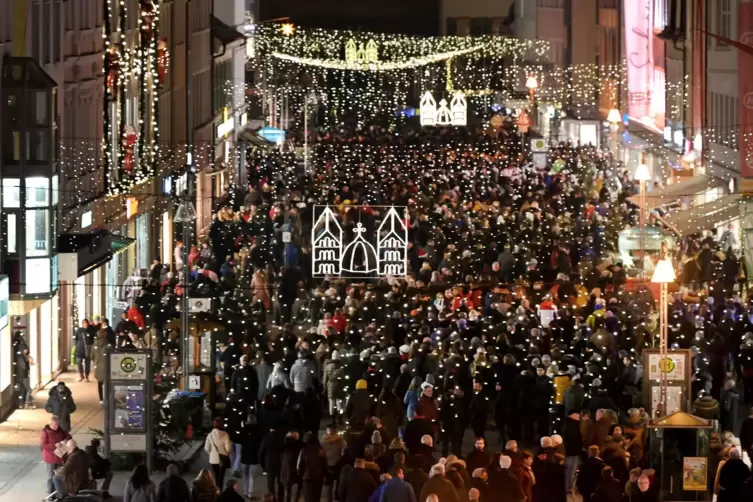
[
  {"x": 422, "y": 455},
  {"x": 609, "y": 489},
  {"x": 732, "y": 478},
  {"x": 289, "y": 465},
  {"x": 356, "y": 484},
  {"x": 479, "y": 457},
  {"x": 573, "y": 447},
  {"x": 245, "y": 384},
  {"x": 271, "y": 460},
  {"x": 440, "y": 486},
  {"x": 173, "y": 488},
  {"x": 454, "y": 422},
  {"x": 503, "y": 483},
  {"x": 60, "y": 403},
  {"x": 479, "y": 409},
  {"x": 590, "y": 473}
]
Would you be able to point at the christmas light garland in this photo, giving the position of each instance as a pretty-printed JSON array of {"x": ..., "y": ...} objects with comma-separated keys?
[{"x": 132, "y": 158}]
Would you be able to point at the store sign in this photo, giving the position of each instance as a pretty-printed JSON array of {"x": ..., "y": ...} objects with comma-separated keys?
[
  {"x": 368, "y": 253},
  {"x": 272, "y": 134},
  {"x": 745, "y": 89},
  {"x": 645, "y": 63},
  {"x": 227, "y": 125},
  {"x": 4, "y": 300},
  {"x": 132, "y": 207},
  {"x": 86, "y": 219},
  {"x": 128, "y": 366}
]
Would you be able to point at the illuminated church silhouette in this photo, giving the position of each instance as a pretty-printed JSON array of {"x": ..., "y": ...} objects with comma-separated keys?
[
  {"x": 360, "y": 258},
  {"x": 392, "y": 245}
]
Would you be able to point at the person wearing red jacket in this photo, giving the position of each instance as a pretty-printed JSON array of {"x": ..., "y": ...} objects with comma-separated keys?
[
  {"x": 339, "y": 322},
  {"x": 135, "y": 315},
  {"x": 49, "y": 438}
]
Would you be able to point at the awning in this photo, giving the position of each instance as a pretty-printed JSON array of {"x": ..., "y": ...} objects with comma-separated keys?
[
  {"x": 118, "y": 243},
  {"x": 706, "y": 216},
  {"x": 254, "y": 139},
  {"x": 686, "y": 188},
  {"x": 92, "y": 249},
  {"x": 224, "y": 32}
]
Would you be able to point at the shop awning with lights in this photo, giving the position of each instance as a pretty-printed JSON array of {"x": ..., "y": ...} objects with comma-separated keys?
[
  {"x": 685, "y": 188},
  {"x": 90, "y": 250},
  {"x": 706, "y": 216},
  {"x": 254, "y": 139}
]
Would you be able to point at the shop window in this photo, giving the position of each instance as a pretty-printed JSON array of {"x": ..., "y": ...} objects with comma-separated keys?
[
  {"x": 40, "y": 113},
  {"x": 38, "y": 232},
  {"x": 7, "y": 357},
  {"x": 37, "y": 192},
  {"x": 12, "y": 236},
  {"x": 37, "y": 278},
  {"x": 11, "y": 192},
  {"x": 55, "y": 190}
]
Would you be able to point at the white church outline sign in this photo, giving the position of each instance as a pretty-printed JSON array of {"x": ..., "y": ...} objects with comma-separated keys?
[{"x": 364, "y": 254}]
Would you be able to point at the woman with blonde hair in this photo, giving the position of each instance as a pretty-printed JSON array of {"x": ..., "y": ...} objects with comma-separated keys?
[
  {"x": 218, "y": 446},
  {"x": 204, "y": 488}
]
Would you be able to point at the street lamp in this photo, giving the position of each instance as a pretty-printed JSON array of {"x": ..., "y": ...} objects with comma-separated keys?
[
  {"x": 310, "y": 99},
  {"x": 532, "y": 84},
  {"x": 642, "y": 176},
  {"x": 664, "y": 273},
  {"x": 614, "y": 117},
  {"x": 185, "y": 215}
]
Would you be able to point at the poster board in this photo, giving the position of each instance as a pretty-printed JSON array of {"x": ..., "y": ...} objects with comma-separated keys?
[
  {"x": 695, "y": 473},
  {"x": 128, "y": 403}
]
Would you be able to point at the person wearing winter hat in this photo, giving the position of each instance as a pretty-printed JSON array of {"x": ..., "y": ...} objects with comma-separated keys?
[{"x": 360, "y": 406}]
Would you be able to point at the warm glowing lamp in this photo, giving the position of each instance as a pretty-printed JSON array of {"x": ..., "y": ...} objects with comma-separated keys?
[
  {"x": 614, "y": 116},
  {"x": 532, "y": 83},
  {"x": 664, "y": 272},
  {"x": 642, "y": 174}
]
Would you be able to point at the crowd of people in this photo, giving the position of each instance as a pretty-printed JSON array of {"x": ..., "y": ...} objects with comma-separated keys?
[{"x": 517, "y": 318}]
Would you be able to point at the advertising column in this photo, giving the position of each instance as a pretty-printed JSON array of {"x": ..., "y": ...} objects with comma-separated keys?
[{"x": 128, "y": 427}]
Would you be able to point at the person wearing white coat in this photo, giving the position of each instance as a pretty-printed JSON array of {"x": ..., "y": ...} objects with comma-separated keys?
[{"x": 218, "y": 446}]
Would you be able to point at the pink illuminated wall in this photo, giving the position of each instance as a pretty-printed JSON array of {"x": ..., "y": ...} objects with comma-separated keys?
[{"x": 644, "y": 53}]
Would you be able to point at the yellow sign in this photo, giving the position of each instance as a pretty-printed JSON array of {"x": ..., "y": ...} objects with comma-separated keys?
[
  {"x": 132, "y": 207},
  {"x": 667, "y": 365},
  {"x": 128, "y": 364}
]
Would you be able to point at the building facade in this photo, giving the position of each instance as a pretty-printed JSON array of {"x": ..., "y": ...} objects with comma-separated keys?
[{"x": 90, "y": 180}]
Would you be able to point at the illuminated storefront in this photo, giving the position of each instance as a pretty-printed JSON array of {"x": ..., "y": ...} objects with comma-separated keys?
[{"x": 29, "y": 178}]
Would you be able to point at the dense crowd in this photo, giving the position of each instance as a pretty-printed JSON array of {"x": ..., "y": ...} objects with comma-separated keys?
[{"x": 517, "y": 319}]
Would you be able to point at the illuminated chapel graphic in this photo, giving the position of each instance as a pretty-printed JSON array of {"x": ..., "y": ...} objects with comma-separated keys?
[{"x": 360, "y": 257}]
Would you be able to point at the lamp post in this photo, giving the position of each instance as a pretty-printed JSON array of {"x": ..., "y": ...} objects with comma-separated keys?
[
  {"x": 664, "y": 273},
  {"x": 614, "y": 118},
  {"x": 310, "y": 99},
  {"x": 532, "y": 84},
  {"x": 642, "y": 176},
  {"x": 185, "y": 215}
]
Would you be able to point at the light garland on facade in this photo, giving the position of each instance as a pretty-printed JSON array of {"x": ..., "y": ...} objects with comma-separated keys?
[{"x": 130, "y": 159}]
